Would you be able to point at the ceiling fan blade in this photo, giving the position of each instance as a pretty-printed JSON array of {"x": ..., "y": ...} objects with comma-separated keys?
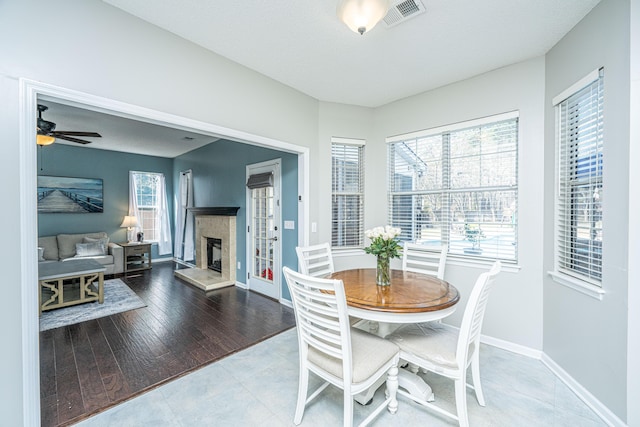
[
  {"x": 69, "y": 138},
  {"x": 71, "y": 133}
]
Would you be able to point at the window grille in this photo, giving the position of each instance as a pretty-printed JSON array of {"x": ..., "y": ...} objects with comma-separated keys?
[{"x": 458, "y": 185}]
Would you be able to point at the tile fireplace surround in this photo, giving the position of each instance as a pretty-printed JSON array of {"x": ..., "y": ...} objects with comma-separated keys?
[{"x": 218, "y": 223}]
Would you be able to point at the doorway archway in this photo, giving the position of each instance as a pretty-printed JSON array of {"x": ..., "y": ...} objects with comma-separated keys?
[{"x": 30, "y": 92}]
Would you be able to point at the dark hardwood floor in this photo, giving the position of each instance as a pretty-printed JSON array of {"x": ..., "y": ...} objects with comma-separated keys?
[{"x": 92, "y": 366}]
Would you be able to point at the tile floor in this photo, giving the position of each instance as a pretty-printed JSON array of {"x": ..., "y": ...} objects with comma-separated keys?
[{"x": 258, "y": 386}]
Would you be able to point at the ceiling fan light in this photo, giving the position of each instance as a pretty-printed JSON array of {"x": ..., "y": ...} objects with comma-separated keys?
[
  {"x": 44, "y": 139},
  {"x": 362, "y": 15}
]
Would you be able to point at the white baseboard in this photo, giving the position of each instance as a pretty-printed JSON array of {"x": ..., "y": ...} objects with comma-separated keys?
[
  {"x": 165, "y": 259},
  {"x": 591, "y": 401},
  {"x": 505, "y": 345},
  {"x": 512, "y": 347},
  {"x": 286, "y": 302},
  {"x": 281, "y": 300}
]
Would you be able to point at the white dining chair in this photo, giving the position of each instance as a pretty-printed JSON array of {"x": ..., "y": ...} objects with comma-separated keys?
[
  {"x": 424, "y": 259},
  {"x": 346, "y": 357},
  {"x": 436, "y": 348},
  {"x": 315, "y": 260}
]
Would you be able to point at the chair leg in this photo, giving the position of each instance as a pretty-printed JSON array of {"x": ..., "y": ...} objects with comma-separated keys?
[
  {"x": 348, "y": 407},
  {"x": 392, "y": 389},
  {"x": 475, "y": 374},
  {"x": 303, "y": 385},
  {"x": 461, "y": 401}
]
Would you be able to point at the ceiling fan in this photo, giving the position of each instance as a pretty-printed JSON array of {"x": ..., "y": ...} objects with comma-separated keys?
[{"x": 47, "y": 132}]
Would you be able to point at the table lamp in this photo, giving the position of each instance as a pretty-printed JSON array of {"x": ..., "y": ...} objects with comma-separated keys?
[{"x": 130, "y": 222}]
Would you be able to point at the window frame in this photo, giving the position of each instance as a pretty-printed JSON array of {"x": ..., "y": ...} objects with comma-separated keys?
[
  {"x": 342, "y": 241},
  {"x": 141, "y": 209},
  {"x": 566, "y": 272},
  {"x": 449, "y": 190}
]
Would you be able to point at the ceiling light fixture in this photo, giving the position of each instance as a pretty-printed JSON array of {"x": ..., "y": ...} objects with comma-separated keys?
[
  {"x": 362, "y": 15},
  {"x": 44, "y": 139}
]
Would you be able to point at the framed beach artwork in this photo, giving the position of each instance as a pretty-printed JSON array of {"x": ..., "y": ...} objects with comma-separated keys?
[{"x": 59, "y": 194}]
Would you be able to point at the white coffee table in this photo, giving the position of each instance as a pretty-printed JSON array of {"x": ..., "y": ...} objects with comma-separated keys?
[{"x": 70, "y": 282}]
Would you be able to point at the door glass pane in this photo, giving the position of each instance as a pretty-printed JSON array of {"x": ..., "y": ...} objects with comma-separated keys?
[{"x": 263, "y": 232}]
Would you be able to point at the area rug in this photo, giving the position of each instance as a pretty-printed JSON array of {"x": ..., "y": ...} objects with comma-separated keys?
[{"x": 118, "y": 298}]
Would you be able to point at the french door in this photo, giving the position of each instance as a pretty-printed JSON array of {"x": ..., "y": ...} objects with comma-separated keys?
[{"x": 263, "y": 228}]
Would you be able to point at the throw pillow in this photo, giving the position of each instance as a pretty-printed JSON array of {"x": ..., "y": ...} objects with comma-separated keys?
[
  {"x": 40, "y": 254},
  {"x": 90, "y": 249},
  {"x": 104, "y": 241}
]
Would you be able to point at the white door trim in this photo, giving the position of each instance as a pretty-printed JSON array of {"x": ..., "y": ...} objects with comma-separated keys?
[
  {"x": 274, "y": 164},
  {"x": 30, "y": 90}
]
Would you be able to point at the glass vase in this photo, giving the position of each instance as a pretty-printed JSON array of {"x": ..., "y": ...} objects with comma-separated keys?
[{"x": 383, "y": 272}]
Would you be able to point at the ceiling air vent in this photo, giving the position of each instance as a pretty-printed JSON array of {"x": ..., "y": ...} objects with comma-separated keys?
[{"x": 402, "y": 10}]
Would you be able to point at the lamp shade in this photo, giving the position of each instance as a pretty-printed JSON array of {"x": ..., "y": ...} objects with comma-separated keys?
[
  {"x": 44, "y": 139},
  {"x": 129, "y": 222},
  {"x": 362, "y": 15}
]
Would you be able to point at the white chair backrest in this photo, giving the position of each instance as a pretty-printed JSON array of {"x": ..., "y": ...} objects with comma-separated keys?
[
  {"x": 315, "y": 260},
  {"x": 469, "y": 337},
  {"x": 320, "y": 308},
  {"x": 424, "y": 259}
]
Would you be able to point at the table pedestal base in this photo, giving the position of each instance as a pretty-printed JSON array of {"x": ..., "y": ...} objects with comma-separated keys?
[{"x": 407, "y": 380}]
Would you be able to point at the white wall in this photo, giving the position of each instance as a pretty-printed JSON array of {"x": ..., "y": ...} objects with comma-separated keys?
[
  {"x": 11, "y": 371},
  {"x": 518, "y": 87},
  {"x": 584, "y": 336},
  {"x": 123, "y": 58},
  {"x": 335, "y": 120},
  {"x": 94, "y": 48},
  {"x": 633, "y": 353}
]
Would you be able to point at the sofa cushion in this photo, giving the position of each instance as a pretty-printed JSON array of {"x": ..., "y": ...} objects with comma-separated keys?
[
  {"x": 50, "y": 246},
  {"x": 90, "y": 249},
  {"x": 40, "y": 254},
  {"x": 67, "y": 242}
]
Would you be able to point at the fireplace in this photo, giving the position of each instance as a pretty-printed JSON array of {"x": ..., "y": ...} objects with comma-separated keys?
[
  {"x": 214, "y": 254},
  {"x": 215, "y": 249}
]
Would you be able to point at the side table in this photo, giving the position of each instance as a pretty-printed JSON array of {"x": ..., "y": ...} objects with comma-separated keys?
[{"x": 137, "y": 256}]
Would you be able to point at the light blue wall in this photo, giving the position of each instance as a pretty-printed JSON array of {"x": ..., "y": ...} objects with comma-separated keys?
[
  {"x": 219, "y": 178},
  {"x": 110, "y": 166}
]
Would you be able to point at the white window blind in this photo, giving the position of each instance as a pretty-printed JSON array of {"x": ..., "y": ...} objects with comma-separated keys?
[
  {"x": 457, "y": 185},
  {"x": 347, "y": 193},
  {"x": 579, "y": 121}
]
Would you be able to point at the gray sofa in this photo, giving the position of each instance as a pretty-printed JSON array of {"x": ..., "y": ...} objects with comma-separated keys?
[{"x": 94, "y": 246}]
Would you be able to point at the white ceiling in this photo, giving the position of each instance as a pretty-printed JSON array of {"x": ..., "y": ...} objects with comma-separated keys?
[{"x": 302, "y": 44}]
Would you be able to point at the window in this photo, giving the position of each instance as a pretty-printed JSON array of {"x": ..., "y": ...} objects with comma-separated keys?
[
  {"x": 148, "y": 202},
  {"x": 579, "y": 127},
  {"x": 458, "y": 185},
  {"x": 347, "y": 193}
]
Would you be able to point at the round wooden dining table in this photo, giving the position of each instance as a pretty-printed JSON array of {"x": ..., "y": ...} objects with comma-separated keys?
[{"x": 410, "y": 298}]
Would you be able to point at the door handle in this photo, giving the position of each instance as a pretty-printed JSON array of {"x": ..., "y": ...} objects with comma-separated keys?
[{"x": 274, "y": 238}]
